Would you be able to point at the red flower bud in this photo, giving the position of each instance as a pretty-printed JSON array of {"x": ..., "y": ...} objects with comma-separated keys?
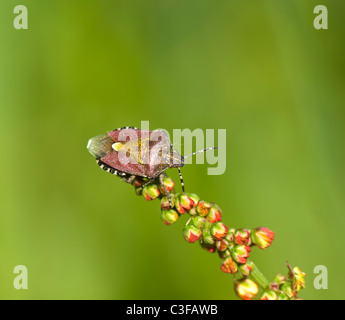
[
  {"x": 186, "y": 202},
  {"x": 229, "y": 265},
  {"x": 191, "y": 233},
  {"x": 203, "y": 208},
  {"x": 222, "y": 245},
  {"x": 168, "y": 183},
  {"x": 262, "y": 237},
  {"x": 240, "y": 253},
  {"x": 219, "y": 230},
  {"x": 242, "y": 236},
  {"x": 215, "y": 214}
]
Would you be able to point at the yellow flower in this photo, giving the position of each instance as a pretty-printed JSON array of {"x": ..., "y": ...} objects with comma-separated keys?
[{"x": 298, "y": 279}]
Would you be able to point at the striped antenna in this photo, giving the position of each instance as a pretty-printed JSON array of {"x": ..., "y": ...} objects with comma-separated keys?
[
  {"x": 182, "y": 184},
  {"x": 204, "y": 150}
]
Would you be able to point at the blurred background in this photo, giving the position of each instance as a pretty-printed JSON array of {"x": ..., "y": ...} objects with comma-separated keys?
[{"x": 258, "y": 69}]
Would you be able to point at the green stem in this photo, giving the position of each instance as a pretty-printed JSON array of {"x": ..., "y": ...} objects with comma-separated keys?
[{"x": 257, "y": 276}]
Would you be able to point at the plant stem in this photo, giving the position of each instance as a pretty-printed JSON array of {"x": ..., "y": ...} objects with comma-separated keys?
[{"x": 258, "y": 277}]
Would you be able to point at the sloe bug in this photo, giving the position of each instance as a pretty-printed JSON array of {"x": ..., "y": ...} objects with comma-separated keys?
[{"x": 129, "y": 152}]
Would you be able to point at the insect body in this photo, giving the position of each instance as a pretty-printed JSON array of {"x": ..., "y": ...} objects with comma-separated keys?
[{"x": 130, "y": 152}]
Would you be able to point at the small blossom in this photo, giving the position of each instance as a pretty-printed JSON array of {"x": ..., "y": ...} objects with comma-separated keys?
[
  {"x": 168, "y": 183},
  {"x": 230, "y": 235},
  {"x": 151, "y": 192},
  {"x": 286, "y": 288},
  {"x": 219, "y": 230},
  {"x": 165, "y": 204},
  {"x": 298, "y": 279},
  {"x": 169, "y": 216},
  {"x": 215, "y": 214},
  {"x": 262, "y": 237},
  {"x": 203, "y": 208},
  {"x": 280, "y": 279},
  {"x": 222, "y": 245},
  {"x": 199, "y": 222},
  {"x": 269, "y": 295},
  {"x": 208, "y": 247},
  {"x": 242, "y": 236},
  {"x": 229, "y": 265},
  {"x": 246, "y": 289},
  {"x": 186, "y": 202},
  {"x": 207, "y": 237},
  {"x": 282, "y": 296},
  {"x": 245, "y": 269},
  {"x": 240, "y": 253},
  {"x": 224, "y": 254},
  {"x": 191, "y": 233}
]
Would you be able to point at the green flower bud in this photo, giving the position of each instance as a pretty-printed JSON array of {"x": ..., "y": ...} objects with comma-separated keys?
[
  {"x": 286, "y": 288},
  {"x": 282, "y": 296},
  {"x": 151, "y": 192},
  {"x": 199, "y": 222},
  {"x": 245, "y": 269},
  {"x": 269, "y": 295},
  {"x": 207, "y": 237},
  {"x": 224, "y": 254},
  {"x": 169, "y": 216}
]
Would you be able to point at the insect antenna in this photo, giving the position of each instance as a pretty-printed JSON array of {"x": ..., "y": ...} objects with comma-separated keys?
[
  {"x": 204, "y": 150},
  {"x": 181, "y": 179}
]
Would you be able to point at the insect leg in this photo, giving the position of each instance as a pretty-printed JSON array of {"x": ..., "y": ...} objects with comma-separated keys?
[
  {"x": 161, "y": 177},
  {"x": 182, "y": 184}
]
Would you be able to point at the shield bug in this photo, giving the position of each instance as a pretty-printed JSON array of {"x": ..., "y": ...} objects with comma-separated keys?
[{"x": 129, "y": 152}]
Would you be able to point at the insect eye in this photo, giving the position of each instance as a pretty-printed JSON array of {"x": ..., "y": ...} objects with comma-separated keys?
[{"x": 117, "y": 146}]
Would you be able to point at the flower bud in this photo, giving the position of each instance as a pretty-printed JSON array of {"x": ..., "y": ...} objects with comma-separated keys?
[
  {"x": 298, "y": 279},
  {"x": 246, "y": 289},
  {"x": 215, "y": 214},
  {"x": 191, "y": 233},
  {"x": 269, "y": 295},
  {"x": 207, "y": 237},
  {"x": 262, "y": 237},
  {"x": 208, "y": 247},
  {"x": 230, "y": 235},
  {"x": 151, "y": 192},
  {"x": 222, "y": 245},
  {"x": 219, "y": 230},
  {"x": 245, "y": 269},
  {"x": 282, "y": 296},
  {"x": 279, "y": 279},
  {"x": 138, "y": 182},
  {"x": 168, "y": 183},
  {"x": 199, "y": 222},
  {"x": 240, "y": 253},
  {"x": 203, "y": 208},
  {"x": 165, "y": 204},
  {"x": 186, "y": 202},
  {"x": 192, "y": 212},
  {"x": 286, "y": 288},
  {"x": 242, "y": 236},
  {"x": 169, "y": 216},
  {"x": 229, "y": 265}
]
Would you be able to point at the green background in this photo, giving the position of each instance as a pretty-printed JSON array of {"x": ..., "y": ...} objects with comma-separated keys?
[{"x": 256, "y": 68}]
